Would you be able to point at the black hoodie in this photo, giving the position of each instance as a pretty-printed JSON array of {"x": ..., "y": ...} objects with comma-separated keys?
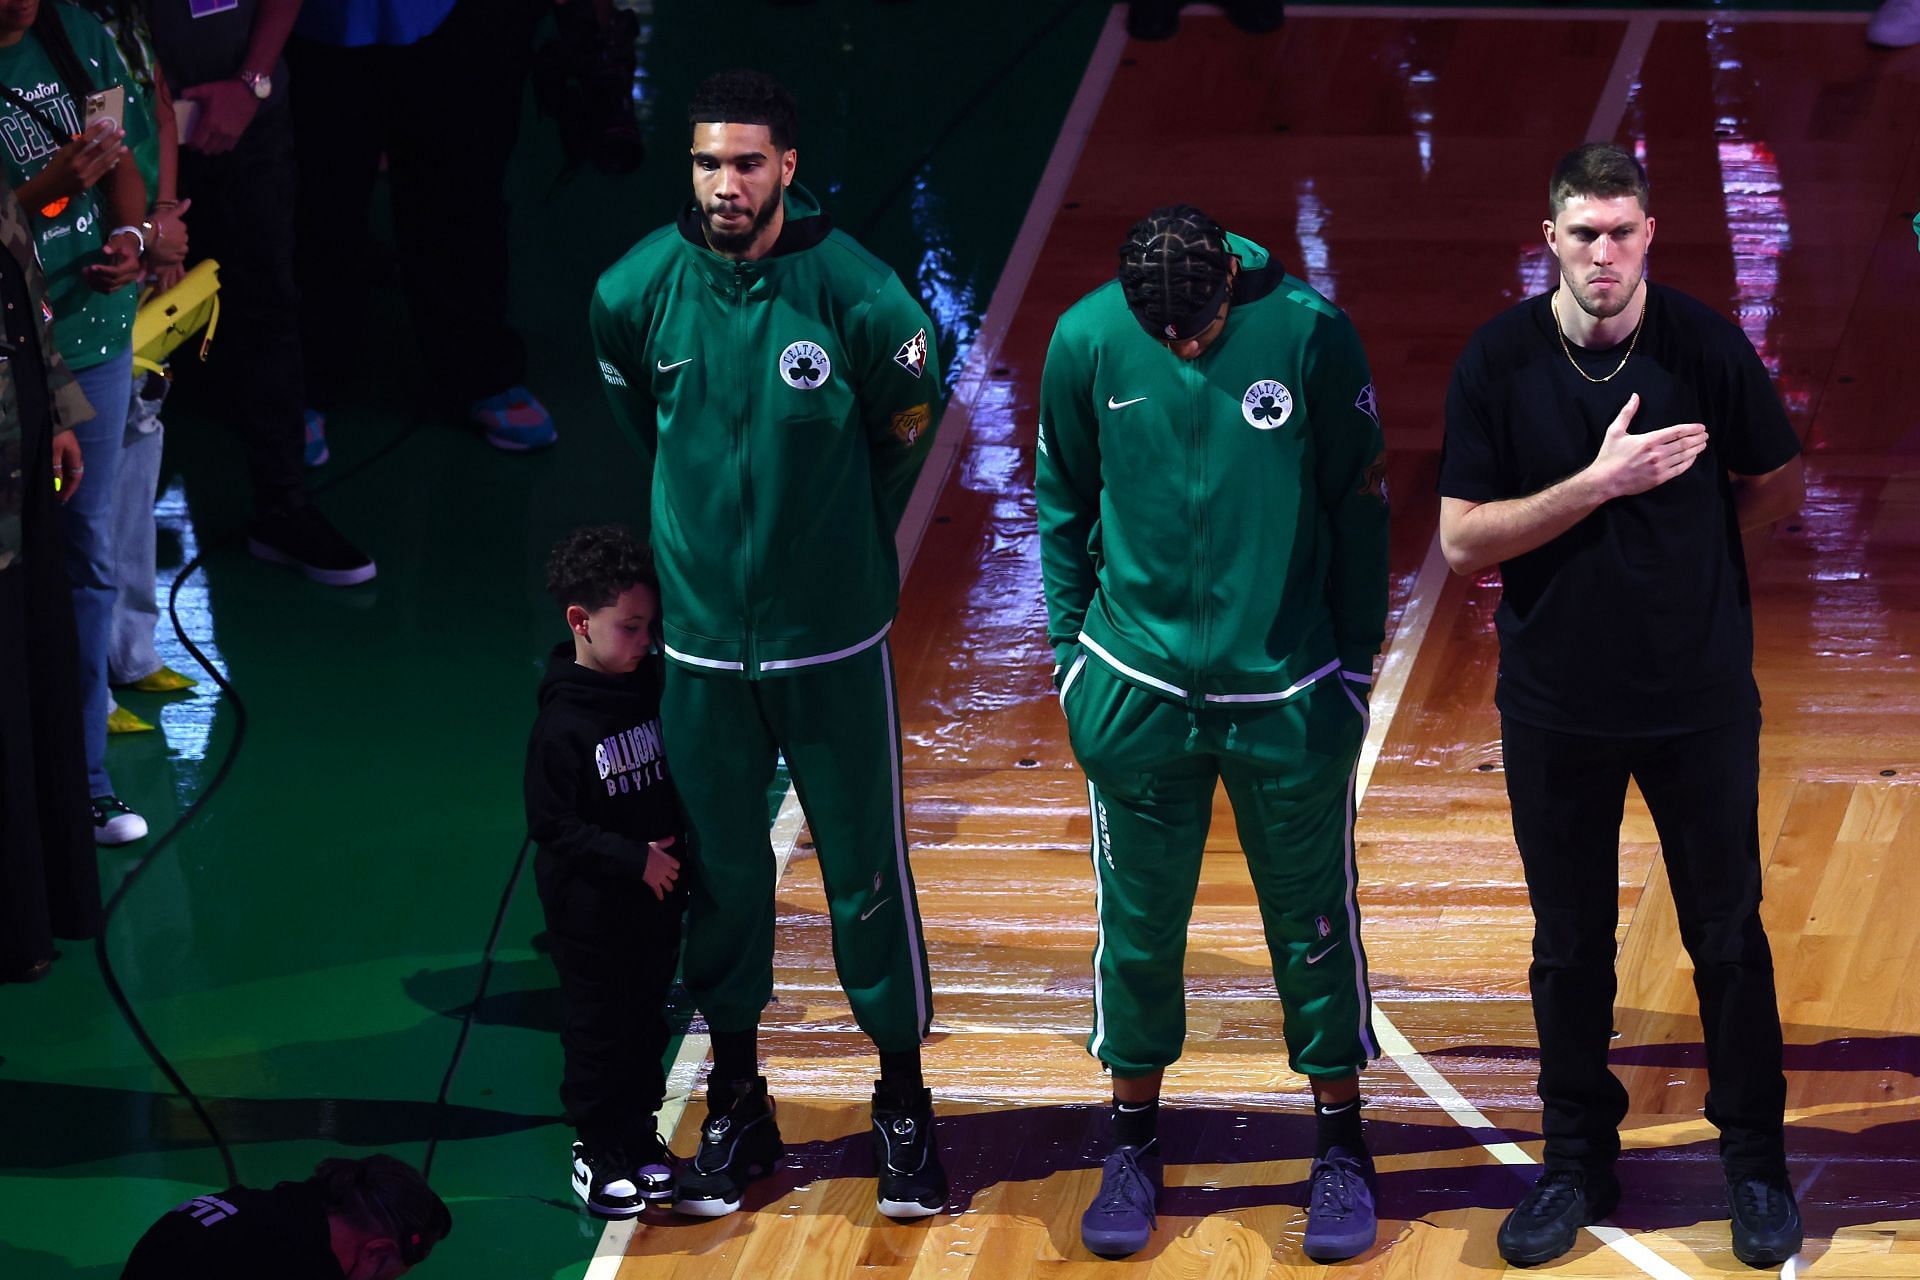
[{"x": 597, "y": 785}]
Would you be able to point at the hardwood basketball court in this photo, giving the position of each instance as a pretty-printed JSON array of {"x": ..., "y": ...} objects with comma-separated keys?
[{"x": 1396, "y": 158}]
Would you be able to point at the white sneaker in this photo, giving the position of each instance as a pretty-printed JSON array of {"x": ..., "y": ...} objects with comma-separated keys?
[
  {"x": 115, "y": 823},
  {"x": 1895, "y": 25},
  {"x": 604, "y": 1183}
]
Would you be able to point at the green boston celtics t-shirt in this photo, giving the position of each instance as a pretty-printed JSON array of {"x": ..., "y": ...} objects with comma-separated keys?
[{"x": 88, "y": 327}]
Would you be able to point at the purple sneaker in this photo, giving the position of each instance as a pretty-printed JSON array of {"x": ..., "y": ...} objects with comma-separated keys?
[
  {"x": 1122, "y": 1216},
  {"x": 513, "y": 420},
  {"x": 1341, "y": 1222}
]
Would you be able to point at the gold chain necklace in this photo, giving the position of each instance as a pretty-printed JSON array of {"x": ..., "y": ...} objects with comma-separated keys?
[{"x": 1553, "y": 304}]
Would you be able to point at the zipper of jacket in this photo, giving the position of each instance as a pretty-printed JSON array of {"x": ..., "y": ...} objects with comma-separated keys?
[
  {"x": 1197, "y": 508},
  {"x": 742, "y": 400}
]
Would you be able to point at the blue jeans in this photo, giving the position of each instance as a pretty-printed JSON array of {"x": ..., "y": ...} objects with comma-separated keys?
[
  {"x": 87, "y": 520},
  {"x": 136, "y": 612}
]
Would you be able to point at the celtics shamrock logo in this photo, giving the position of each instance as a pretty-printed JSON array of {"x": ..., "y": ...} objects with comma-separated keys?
[
  {"x": 1266, "y": 405},
  {"x": 805, "y": 365}
]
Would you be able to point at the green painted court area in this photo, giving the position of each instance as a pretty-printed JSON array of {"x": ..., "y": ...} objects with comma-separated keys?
[
  {"x": 336, "y": 831},
  {"x": 307, "y": 942}
]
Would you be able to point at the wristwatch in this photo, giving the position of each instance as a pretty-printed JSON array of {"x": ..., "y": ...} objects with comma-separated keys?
[{"x": 258, "y": 81}]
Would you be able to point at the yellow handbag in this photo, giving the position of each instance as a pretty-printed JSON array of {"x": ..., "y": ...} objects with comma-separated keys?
[{"x": 165, "y": 320}]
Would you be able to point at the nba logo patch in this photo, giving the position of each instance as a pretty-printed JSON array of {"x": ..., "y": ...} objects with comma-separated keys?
[
  {"x": 1367, "y": 403},
  {"x": 46, "y": 311},
  {"x": 1322, "y": 926},
  {"x": 912, "y": 355}
]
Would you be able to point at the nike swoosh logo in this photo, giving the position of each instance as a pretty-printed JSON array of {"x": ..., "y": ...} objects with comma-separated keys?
[
  {"x": 675, "y": 365},
  {"x": 875, "y": 907},
  {"x": 1121, "y": 404},
  {"x": 1316, "y": 959}
]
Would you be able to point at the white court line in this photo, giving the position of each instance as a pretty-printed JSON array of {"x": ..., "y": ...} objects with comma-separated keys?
[
  {"x": 1612, "y": 107},
  {"x": 976, "y": 377},
  {"x": 954, "y": 423}
]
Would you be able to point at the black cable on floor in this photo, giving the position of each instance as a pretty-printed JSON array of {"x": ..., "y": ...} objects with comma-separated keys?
[
  {"x": 187, "y": 815},
  {"x": 112, "y": 980},
  {"x": 480, "y": 993}
]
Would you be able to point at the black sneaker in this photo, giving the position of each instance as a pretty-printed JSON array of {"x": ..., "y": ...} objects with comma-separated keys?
[
  {"x": 739, "y": 1142},
  {"x": 1548, "y": 1218},
  {"x": 303, "y": 539},
  {"x": 1766, "y": 1221},
  {"x": 653, "y": 1166},
  {"x": 603, "y": 1179},
  {"x": 913, "y": 1183}
]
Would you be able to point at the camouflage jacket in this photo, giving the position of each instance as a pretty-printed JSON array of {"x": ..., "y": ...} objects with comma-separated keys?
[{"x": 63, "y": 393}]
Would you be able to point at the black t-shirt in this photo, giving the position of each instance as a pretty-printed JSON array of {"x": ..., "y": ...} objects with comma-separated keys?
[
  {"x": 1637, "y": 619},
  {"x": 200, "y": 41},
  {"x": 239, "y": 1234}
]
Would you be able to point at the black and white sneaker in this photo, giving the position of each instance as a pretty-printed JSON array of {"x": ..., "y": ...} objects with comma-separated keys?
[
  {"x": 912, "y": 1181},
  {"x": 739, "y": 1142},
  {"x": 653, "y": 1166},
  {"x": 604, "y": 1182},
  {"x": 304, "y": 539},
  {"x": 115, "y": 823}
]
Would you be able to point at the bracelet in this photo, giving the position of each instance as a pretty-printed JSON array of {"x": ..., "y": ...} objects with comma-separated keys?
[
  {"x": 129, "y": 230},
  {"x": 165, "y": 204}
]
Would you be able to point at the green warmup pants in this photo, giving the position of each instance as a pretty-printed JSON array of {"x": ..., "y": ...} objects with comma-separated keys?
[
  {"x": 838, "y": 727},
  {"x": 1152, "y": 764}
]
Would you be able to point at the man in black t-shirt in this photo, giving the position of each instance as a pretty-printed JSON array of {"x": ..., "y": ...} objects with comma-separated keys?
[
  {"x": 369, "y": 1219},
  {"x": 1606, "y": 444}
]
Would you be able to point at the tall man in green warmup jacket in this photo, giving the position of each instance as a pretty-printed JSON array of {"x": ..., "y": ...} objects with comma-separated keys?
[
  {"x": 1213, "y": 534},
  {"x": 779, "y": 384}
]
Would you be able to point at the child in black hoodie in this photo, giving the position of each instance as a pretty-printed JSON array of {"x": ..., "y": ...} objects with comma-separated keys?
[{"x": 603, "y": 811}]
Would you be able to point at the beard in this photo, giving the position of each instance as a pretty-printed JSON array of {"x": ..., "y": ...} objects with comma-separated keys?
[
  {"x": 737, "y": 241},
  {"x": 1604, "y": 309}
]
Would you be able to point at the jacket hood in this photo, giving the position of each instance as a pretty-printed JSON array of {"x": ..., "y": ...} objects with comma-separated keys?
[
  {"x": 806, "y": 225},
  {"x": 1260, "y": 272},
  {"x": 568, "y": 681}
]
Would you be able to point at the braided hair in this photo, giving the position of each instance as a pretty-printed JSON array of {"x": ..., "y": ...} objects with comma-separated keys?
[
  {"x": 384, "y": 1197},
  {"x": 1173, "y": 263}
]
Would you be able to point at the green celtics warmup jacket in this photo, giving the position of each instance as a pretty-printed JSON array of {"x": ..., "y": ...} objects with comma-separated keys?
[
  {"x": 781, "y": 409},
  {"x": 1214, "y": 529}
]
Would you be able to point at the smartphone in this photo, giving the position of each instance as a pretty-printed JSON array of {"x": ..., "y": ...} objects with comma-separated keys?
[
  {"x": 186, "y": 114},
  {"x": 109, "y": 105}
]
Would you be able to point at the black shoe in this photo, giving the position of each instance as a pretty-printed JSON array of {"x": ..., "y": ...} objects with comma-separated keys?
[
  {"x": 1153, "y": 19},
  {"x": 303, "y": 539},
  {"x": 1766, "y": 1221},
  {"x": 1548, "y": 1218},
  {"x": 603, "y": 1179},
  {"x": 739, "y": 1142},
  {"x": 1256, "y": 16},
  {"x": 913, "y": 1183}
]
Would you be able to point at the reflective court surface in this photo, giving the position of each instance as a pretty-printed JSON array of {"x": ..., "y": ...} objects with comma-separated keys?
[{"x": 307, "y": 950}]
